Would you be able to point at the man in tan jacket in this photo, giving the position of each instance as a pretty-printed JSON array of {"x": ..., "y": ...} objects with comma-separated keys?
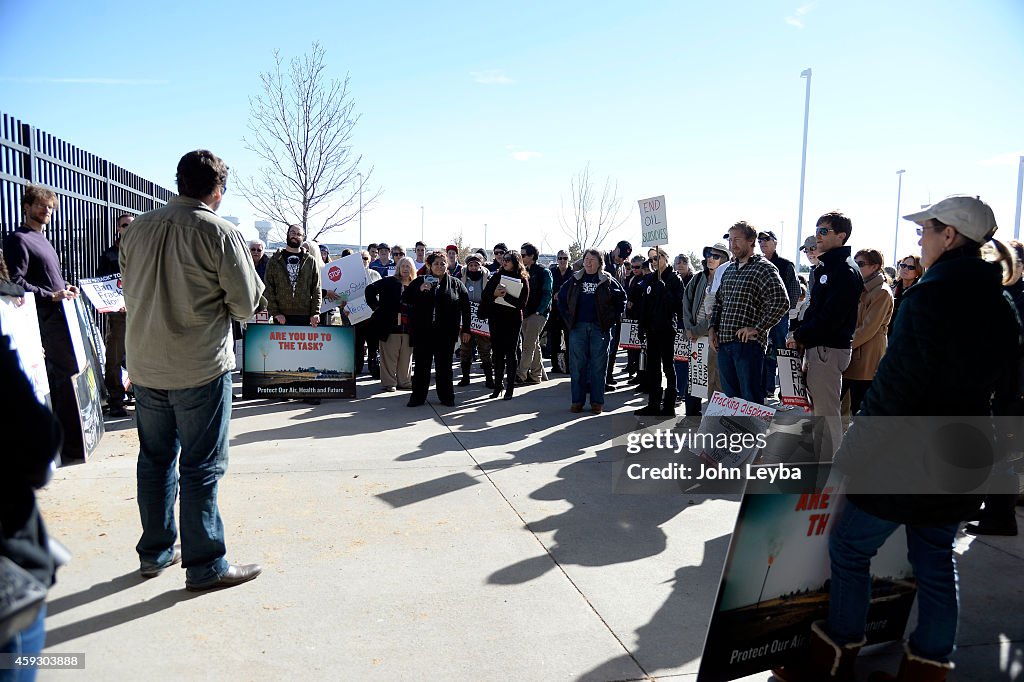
[{"x": 186, "y": 275}]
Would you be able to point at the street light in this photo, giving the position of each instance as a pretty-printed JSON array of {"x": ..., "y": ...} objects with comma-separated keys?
[
  {"x": 899, "y": 189},
  {"x": 1020, "y": 191},
  {"x": 421, "y": 224},
  {"x": 806, "y": 73},
  {"x": 361, "y": 245}
]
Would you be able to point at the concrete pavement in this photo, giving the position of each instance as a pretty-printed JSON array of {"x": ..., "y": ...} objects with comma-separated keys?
[{"x": 480, "y": 542}]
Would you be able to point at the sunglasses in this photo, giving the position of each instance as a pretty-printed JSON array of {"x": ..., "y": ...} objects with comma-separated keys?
[
  {"x": 763, "y": 239},
  {"x": 822, "y": 231},
  {"x": 715, "y": 256},
  {"x": 861, "y": 263},
  {"x": 508, "y": 259},
  {"x": 563, "y": 258},
  {"x": 908, "y": 266},
  {"x": 638, "y": 267}
]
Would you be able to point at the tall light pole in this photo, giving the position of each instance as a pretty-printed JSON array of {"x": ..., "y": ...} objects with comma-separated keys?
[
  {"x": 896, "y": 240},
  {"x": 485, "y": 236},
  {"x": 421, "y": 225},
  {"x": 806, "y": 73},
  {"x": 1020, "y": 191},
  {"x": 361, "y": 211}
]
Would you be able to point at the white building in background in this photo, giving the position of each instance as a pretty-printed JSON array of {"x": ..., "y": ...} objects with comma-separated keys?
[{"x": 264, "y": 227}]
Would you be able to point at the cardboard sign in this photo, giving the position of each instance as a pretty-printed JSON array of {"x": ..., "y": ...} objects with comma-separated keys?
[
  {"x": 681, "y": 347},
  {"x": 629, "y": 335},
  {"x": 653, "y": 224},
  {"x": 90, "y": 410},
  {"x": 104, "y": 293},
  {"x": 476, "y": 325},
  {"x": 286, "y": 361},
  {"x": 792, "y": 385},
  {"x": 700, "y": 352},
  {"x": 345, "y": 277},
  {"x": 21, "y": 325},
  {"x": 730, "y": 416},
  {"x": 775, "y": 582}
]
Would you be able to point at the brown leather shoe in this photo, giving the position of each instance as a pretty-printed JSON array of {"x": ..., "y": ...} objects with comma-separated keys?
[
  {"x": 154, "y": 571},
  {"x": 576, "y": 408},
  {"x": 235, "y": 575},
  {"x": 597, "y": 409}
]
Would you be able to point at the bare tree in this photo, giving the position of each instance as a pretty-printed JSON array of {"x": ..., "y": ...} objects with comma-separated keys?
[
  {"x": 589, "y": 218},
  {"x": 301, "y": 128}
]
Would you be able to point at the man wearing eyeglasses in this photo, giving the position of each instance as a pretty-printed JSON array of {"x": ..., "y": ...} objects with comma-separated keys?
[
  {"x": 257, "y": 249},
  {"x": 499, "y": 250},
  {"x": 180, "y": 359},
  {"x": 560, "y": 273},
  {"x": 777, "y": 336},
  {"x": 826, "y": 333}
]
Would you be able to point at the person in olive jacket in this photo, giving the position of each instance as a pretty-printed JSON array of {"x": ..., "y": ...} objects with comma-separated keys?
[
  {"x": 438, "y": 312},
  {"x": 660, "y": 309},
  {"x": 904, "y": 466}
]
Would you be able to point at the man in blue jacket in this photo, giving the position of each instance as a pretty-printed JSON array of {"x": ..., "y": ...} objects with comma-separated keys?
[{"x": 826, "y": 333}]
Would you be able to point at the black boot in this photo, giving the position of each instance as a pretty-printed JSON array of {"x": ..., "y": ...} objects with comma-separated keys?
[
  {"x": 510, "y": 380},
  {"x": 465, "y": 371},
  {"x": 488, "y": 376},
  {"x": 653, "y": 408},
  {"x": 668, "y": 404},
  {"x": 499, "y": 369},
  {"x": 509, "y": 387}
]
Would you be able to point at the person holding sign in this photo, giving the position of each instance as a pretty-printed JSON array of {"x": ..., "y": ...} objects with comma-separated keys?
[
  {"x": 698, "y": 303},
  {"x": 591, "y": 303},
  {"x": 502, "y": 306},
  {"x": 438, "y": 312},
  {"x": 114, "y": 338},
  {"x": 660, "y": 308},
  {"x": 475, "y": 276},
  {"x": 389, "y": 325}
]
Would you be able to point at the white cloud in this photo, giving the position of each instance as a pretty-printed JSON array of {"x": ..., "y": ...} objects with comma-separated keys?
[
  {"x": 1007, "y": 159},
  {"x": 526, "y": 156},
  {"x": 490, "y": 77},
  {"x": 796, "y": 18},
  {"x": 88, "y": 81}
]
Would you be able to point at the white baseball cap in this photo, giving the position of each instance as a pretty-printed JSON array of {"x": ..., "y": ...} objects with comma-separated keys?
[{"x": 969, "y": 216}]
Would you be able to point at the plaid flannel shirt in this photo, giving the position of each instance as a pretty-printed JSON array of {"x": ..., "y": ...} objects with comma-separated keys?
[{"x": 749, "y": 296}]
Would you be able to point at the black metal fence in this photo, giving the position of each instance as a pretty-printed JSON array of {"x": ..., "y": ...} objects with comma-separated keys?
[{"x": 91, "y": 192}]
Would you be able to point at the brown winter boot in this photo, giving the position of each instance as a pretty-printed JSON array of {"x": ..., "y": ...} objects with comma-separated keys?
[
  {"x": 823, "y": 661},
  {"x": 914, "y": 669}
]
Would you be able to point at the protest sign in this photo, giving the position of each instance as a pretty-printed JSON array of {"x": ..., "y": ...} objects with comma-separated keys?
[
  {"x": 104, "y": 293},
  {"x": 792, "y": 388},
  {"x": 775, "y": 582},
  {"x": 287, "y": 361},
  {"x": 681, "y": 346},
  {"x": 82, "y": 420},
  {"x": 653, "y": 225},
  {"x": 20, "y": 324},
  {"x": 90, "y": 410},
  {"x": 629, "y": 335},
  {"x": 476, "y": 325},
  {"x": 700, "y": 357},
  {"x": 345, "y": 277},
  {"x": 725, "y": 415}
]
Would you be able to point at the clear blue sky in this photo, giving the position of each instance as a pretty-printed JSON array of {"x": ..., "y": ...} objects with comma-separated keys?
[{"x": 701, "y": 102}]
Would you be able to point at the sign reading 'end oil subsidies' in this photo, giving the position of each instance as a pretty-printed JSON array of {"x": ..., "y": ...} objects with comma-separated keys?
[{"x": 653, "y": 225}]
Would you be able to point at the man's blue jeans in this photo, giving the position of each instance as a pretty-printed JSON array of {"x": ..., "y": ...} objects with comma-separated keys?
[
  {"x": 739, "y": 370},
  {"x": 776, "y": 339},
  {"x": 588, "y": 362},
  {"x": 28, "y": 642},
  {"x": 856, "y": 537},
  {"x": 187, "y": 427}
]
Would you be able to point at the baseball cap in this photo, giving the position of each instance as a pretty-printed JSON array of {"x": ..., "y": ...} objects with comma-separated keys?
[
  {"x": 809, "y": 242},
  {"x": 767, "y": 234},
  {"x": 970, "y": 216},
  {"x": 451, "y": 247}
]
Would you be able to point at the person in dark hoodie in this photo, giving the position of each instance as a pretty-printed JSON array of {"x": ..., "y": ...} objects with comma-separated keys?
[
  {"x": 826, "y": 332},
  {"x": 661, "y": 311},
  {"x": 25, "y": 463},
  {"x": 113, "y": 340},
  {"x": 503, "y": 309},
  {"x": 902, "y": 467}
]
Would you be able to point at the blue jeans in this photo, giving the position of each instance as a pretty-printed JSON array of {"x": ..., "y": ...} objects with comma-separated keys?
[
  {"x": 187, "y": 427},
  {"x": 28, "y": 642},
  {"x": 588, "y": 362},
  {"x": 682, "y": 378},
  {"x": 856, "y": 537},
  {"x": 776, "y": 340},
  {"x": 739, "y": 370}
]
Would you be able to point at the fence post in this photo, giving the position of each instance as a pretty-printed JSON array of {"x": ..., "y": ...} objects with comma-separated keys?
[{"x": 28, "y": 139}]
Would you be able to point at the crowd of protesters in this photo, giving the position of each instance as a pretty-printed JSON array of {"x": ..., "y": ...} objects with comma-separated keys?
[{"x": 842, "y": 316}]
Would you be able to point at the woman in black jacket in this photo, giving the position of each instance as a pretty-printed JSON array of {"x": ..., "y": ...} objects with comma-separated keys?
[
  {"x": 438, "y": 311},
  {"x": 390, "y": 326},
  {"x": 504, "y": 312}
]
